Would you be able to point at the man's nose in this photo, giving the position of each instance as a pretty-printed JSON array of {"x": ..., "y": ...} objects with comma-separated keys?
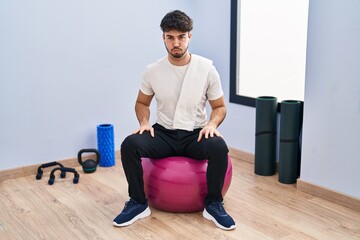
[{"x": 176, "y": 42}]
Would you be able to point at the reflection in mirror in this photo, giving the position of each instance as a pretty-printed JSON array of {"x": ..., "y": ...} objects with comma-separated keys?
[{"x": 268, "y": 49}]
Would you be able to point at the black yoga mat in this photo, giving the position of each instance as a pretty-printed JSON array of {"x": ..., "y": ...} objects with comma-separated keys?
[
  {"x": 291, "y": 115},
  {"x": 265, "y": 135}
]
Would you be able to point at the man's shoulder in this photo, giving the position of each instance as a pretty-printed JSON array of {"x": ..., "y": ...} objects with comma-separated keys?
[
  {"x": 159, "y": 63},
  {"x": 157, "y": 68},
  {"x": 201, "y": 59}
]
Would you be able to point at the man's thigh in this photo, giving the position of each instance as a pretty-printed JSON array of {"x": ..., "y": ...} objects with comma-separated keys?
[
  {"x": 144, "y": 144},
  {"x": 212, "y": 146}
]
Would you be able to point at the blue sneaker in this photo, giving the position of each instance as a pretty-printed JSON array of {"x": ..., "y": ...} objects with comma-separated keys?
[
  {"x": 216, "y": 213},
  {"x": 132, "y": 211}
]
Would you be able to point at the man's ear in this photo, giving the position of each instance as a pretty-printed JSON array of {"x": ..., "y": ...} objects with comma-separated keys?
[
  {"x": 163, "y": 36},
  {"x": 189, "y": 35}
]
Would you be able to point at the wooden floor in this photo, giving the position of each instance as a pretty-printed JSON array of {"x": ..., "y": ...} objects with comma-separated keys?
[{"x": 262, "y": 207}]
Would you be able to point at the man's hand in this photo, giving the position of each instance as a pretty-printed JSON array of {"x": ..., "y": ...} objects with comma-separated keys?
[
  {"x": 143, "y": 128},
  {"x": 142, "y": 111},
  {"x": 218, "y": 113},
  {"x": 207, "y": 131}
]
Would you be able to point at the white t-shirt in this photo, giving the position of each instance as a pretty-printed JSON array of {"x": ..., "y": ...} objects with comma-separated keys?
[{"x": 165, "y": 81}]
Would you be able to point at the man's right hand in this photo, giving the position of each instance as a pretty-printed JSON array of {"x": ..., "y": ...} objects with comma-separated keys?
[
  {"x": 142, "y": 111},
  {"x": 145, "y": 127}
]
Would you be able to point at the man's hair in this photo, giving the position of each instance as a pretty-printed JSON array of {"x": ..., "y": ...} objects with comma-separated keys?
[{"x": 176, "y": 20}]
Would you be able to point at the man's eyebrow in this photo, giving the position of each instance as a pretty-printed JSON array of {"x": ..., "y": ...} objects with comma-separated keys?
[{"x": 181, "y": 35}]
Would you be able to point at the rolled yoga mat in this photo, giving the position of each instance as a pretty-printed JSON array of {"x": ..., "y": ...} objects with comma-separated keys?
[
  {"x": 291, "y": 115},
  {"x": 265, "y": 135},
  {"x": 105, "y": 142}
]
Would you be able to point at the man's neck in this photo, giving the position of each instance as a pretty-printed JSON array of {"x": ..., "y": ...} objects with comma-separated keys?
[{"x": 180, "y": 61}]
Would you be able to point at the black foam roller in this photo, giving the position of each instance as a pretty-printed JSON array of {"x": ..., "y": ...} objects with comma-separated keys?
[
  {"x": 265, "y": 135},
  {"x": 291, "y": 115}
]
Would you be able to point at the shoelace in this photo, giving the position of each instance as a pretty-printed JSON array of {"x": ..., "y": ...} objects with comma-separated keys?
[
  {"x": 129, "y": 204},
  {"x": 218, "y": 207}
]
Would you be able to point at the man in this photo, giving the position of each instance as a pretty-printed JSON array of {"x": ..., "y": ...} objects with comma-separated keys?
[{"x": 181, "y": 83}]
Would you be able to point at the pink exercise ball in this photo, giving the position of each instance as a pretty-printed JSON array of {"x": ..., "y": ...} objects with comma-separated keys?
[{"x": 178, "y": 184}]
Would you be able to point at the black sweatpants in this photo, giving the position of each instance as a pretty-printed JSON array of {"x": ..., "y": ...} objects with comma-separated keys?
[{"x": 168, "y": 143}]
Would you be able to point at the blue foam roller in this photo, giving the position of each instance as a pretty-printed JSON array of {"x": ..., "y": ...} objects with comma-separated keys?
[{"x": 105, "y": 142}]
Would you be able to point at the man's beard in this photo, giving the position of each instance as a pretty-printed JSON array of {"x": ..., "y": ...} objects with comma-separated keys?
[{"x": 179, "y": 54}]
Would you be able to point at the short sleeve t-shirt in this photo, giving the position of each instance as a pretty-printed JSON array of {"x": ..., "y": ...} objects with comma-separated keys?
[{"x": 164, "y": 80}]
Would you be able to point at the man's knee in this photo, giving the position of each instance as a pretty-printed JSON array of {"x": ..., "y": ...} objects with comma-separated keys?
[
  {"x": 216, "y": 145},
  {"x": 133, "y": 143},
  {"x": 129, "y": 142}
]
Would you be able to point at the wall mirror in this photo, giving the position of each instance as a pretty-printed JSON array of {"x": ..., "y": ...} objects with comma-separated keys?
[{"x": 268, "y": 49}]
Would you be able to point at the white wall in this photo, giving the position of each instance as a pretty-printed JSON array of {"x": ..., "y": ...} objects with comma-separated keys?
[
  {"x": 67, "y": 66},
  {"x": 331, "y": 145}
]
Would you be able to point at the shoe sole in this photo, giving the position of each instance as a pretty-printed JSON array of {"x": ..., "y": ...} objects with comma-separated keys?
[
  {"x": 141, "y": 215},
  {"x": 211, "y": 218}
]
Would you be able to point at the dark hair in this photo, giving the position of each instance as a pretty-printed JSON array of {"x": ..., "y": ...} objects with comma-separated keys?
[{"x": 176, "y": 20}]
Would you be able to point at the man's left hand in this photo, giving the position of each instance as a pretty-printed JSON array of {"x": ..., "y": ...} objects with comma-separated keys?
[{"x": 207, "y": 131}]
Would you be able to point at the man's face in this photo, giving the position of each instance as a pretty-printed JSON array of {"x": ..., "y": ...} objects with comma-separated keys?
[{"x": 176, "y": 42}]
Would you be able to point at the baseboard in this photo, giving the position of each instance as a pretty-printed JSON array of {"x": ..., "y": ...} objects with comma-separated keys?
[
  {"x": 328, "y": 194},
  {"x": 73, "y": 162},
  {"x": 318, "y": 191},
  {"x": 301, "y": 185},
  {"x": 241, "y": 155},
  {"x": 32, "y": 169}
]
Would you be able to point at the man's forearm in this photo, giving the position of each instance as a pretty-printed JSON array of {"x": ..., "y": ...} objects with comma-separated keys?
[
  {"x": 142, "y": 113},
  {"x": 217, "y": 116}
]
